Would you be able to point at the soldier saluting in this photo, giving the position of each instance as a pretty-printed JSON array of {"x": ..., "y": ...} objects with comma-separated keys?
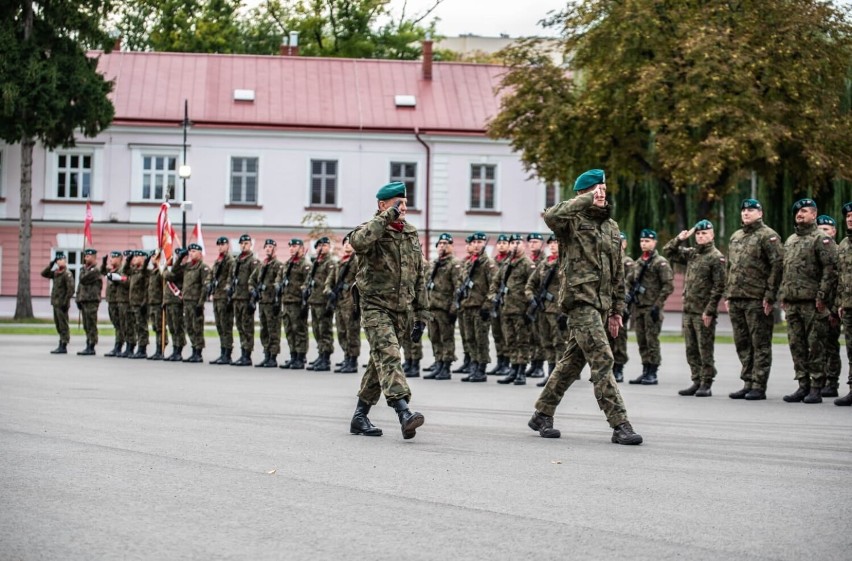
[{"x": 60, "y": 298}]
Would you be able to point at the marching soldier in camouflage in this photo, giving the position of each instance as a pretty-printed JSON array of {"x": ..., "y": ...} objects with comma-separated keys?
[
  {"x": 263, "y": 286},
  {"x": 510, "y": 302},
  {"x": 455, "y": 312},
  {"x": 755, "y": 263},
  {"x": 155, "y": 304},
  {"x": 413, "y": 351},
  {"x": 844, "y": 295},
  {"x": 321, "y": 323},
  {"x": 60, "y": 298},
  {"x": 808, "y": 286},
  {"x": 195, "y": 272},
  {"x": 478, "y": 272},
  {"x": 656, "y": 286},
  {"x": 503, "y": 365},
  {"x": 173, "y": 303},
  {"x": 340, "y": 296},
  {"x": 541, "y": 291},
  {"x": 619, "y": 344},
  {"x": 295, "y": 318},
  {"x": 138, "y": 298},
  {"x": 390, "y": 281},
  {"x": 117, "y": 299},
  {"x": 244, "y": 267},
  {"x": 219, "y": 287},
  {"x": 833, "y": 365},
  {"x": 592, "y": 296},
  {"x": 444, "y": 279},
  {"x": 702, "y": 290},
  {"x": 88, "y": 298},
  {"x": 538, "y": 354}
]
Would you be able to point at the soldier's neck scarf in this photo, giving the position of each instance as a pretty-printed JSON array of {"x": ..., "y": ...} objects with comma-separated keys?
[{"x": 398, "y": 226}]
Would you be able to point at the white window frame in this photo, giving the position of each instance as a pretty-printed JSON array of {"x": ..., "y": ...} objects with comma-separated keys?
[
  {"x": 337, "y": 191},
  {"x": 494, "y": 207},
  {"x": 138, "y": 153},
  {"x": 413, "y": 200},
  {"x": 244, "y": 174},
  {"x": 54, "y": 177},
  {"x": 154, "y": 173}
]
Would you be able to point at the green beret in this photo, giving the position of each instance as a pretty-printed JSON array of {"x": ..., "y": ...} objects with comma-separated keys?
[
  {"x": 847, "y": 208},
  {"x": 269, "y": 241},
  {"x": 221, "y": 240},
  {"x": 502, "y": 238},
  {"x": 589, "y": 179},
  {"x": 516, "y": 238},
  {"x": 321, "y": 241},
  {"x": 751, "y": 203},
  {"x": 803, "y": 203},
  {"x": 825, "y": 220},
  {"x": 295, "y": 241},
  {"x": 648, "y": 233},
  {"x": 140, "y": 253},
  {"x": 391, "y": 190},
  {"x": 535, "y": 236},
  {"x": 622, "y": 235},
  {"x": 194, "y": 246},
  {"x": 245, "y": 238},
  {"x": 128, "y": 252},
  {"x": 444, "y": 238},
  {"x": 480, "y": 236},
  {"x": 703, "y": 225},
  {"x": 114, "y": 254},
  {"x": 552, "y": 238},
  {"x": 91, "y": 251},
  {"x": 470, "y": 237},
  {"x": 59, "y": 255}
]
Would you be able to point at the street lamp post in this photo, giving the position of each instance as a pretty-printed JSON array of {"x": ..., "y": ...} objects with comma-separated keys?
[{"x": 185, "y": 171}]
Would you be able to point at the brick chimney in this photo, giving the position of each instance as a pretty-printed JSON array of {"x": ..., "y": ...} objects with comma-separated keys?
[
  {"x": 427, "y": 58},
  {"x": 290, "y": 47}
]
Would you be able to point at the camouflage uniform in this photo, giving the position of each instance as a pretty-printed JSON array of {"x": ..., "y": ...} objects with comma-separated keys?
[
  {"x": 321, "y": 324},
  {"x": 537, "y": 343},
  {"x": 348, "y": 320},
  {"x": 265, "y": 280},
  {"x": 194, "y": 295},
  {"x": 844, "y": 295},
  {"x": 658, "y": 283},
  {"x": 117, "y": 296},
  {"x": 413, "y": 352},
  {"x": 295, "y": 322},
  {"x": 702, "y": 290},
  {"x": 221, "y": 276},
  {"x": 88, "y": 299},
  {"x": 476, "y": 301},
  {"x": 244, "y": 266},
  {"x": 443, "y": 280},
  {"x": 552, "y": 338},
  {"x": 591, "y": 290},
  {"x": 155, "y": 307},
  {"x": 755, "y": 260},
  {"x": 390, "y": 282},
  {"x": 619, "y": 344},
  {"x": 138, "y": 298},
  {"x": 516, "y": 271},
  {"x": 60, "y": 298},
  {"x": 810, "y": 276},
  {"x": 500, "y": 347},
  {"x": 173, "y": 300}
]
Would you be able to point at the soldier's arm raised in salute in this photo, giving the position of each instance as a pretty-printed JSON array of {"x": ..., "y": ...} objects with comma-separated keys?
[{"x": 675, "y": 251}]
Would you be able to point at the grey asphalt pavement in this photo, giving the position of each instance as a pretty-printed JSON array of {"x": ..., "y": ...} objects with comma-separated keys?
[{"x": 127, "y": 459}]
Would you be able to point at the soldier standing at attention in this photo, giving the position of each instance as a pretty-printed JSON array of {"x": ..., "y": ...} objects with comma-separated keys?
[
  {"x": 443, "y": 280},
  {"x": 619, "y": 344},
  {"x": 833, "y": 366},
  {"x": 592, "y": 296},
  {"x": 340, "y": 294},
  {"x": 296, "y": 272},
  {"x": 390, "y": 281},
  {"x": 321, "y": 324},
  {"x": 220, "y": 288},
  {"x": 194, "y": 274},
  {"x": 244, "y": 267},
  {"x": 113, "y": 298},
  {"x": 844, "y": 295},
  {"x": 155, "y": 303},
  {"x": 263, "y": 287},
  {"x": 656, "y": 286},
  {"x": 518, "y": 334},
  {"x": 479, "y": 272},
  {"x": 755, "y": 263},
  {"x": 456, "y": 310},
  {"x": 88, "y": 298},
  {"x": 538, "y": 355},
  {"x": 138, "y": 299},
  {"x": 60, "y": 298},
  {"x": 543, "y": 287},
  {"x": 808, "y": 286},
  {"x": 173, "y": 299},
  {"x": 702, "y": 290},
  {"x": 501, "y": 257}
]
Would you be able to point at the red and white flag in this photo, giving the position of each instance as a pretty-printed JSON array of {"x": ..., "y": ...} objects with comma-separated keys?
[
  {"x": 199, "y": 239},
  {"x": 87, "y": 227},
  {"x": 165, "y": 235}
]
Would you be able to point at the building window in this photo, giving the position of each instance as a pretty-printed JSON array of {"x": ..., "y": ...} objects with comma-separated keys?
[
  {"x": 159, "y": 176},
  {"x": 73, "y": 176},
  {"x": 406, "y": 173},
  {"x": 551, "y": 194},
  {"x": 244, "y": 181},
  {"x": 323, "y": 182},
  {"x": 74, "y": 260},
  {"x": 482, "y": 186}
]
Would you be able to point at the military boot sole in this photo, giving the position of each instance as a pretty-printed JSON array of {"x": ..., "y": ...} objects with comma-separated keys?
[
  {"x": 755, "y": 395},
  {"x": 647, "y": 382},
  {"x": 632, "y": 440},
  {"x": 844, "y": 401},
  {"x": 374, "y": 431},
  {"x": 409, "y": 429},
  {"x": 704, "y": 393},
  {"x": 829, "y": 392},
  {"x": 447, "y": 376},
  {"x": 64, "y": 352},
  {"x": 689, "y": 391},
  {"x": 543, "y": 431}
]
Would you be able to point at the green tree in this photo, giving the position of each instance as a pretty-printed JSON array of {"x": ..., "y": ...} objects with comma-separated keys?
[{"x": 50, "y": 90}]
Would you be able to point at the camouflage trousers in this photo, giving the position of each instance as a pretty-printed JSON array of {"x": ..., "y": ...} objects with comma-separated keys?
[
  {"x": 89, "y": 312},
  {"x": 587, "y": 344},
  {"x": 244, "y": 318},
  {"x": 847, "y": 328},
  {"x": 295, "y": 328},
  {"x": 223, "y": 313},
  {"x": 477, "y": 333},
  {"x": 807, "y": 330},
  {"x": 833, "y": 366},
  {"x": 498, "y": 335},
  {"x": 60, "y": 320},
  {"x": 321, "y": 324},
  {"x": 385, "y": 331},
  {"x": 155, "y": 319},
  {"x": 752, "y": 339},
  {"x": 140, "y": 324},
  {"x": 348, "y": 328},
  {"x": 618, "y": 346},
  {"x": 700, "y": 344},
  {"x": 518, "y": 336},
  {"x": 537, "y": 344},
  {"x": 174, "y": 320},
  {"x": 118, "y": 316},
  {"x": 648, "y": 335},
  {"x": 442, "y": 335},
  {"x": 270, "y": 327},
  {"x": 193, "y": 323},
  {"x": 465, "y": 336},
  {"x": 553, "y": 339},
  {"x": 412, "y": 351}
]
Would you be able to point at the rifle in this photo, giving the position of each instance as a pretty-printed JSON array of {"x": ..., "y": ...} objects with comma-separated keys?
[
  {"x": 338, "y": 288},
  {"x": 214, "y": 284},
  {"x": 309, "y": 288},
  {"x": 497, "y": 302},
  {"x": 431, "y": 284},
  {"x": 234, "y": 280},
  {"x": 255, "y": 294},
  {"x": 635, "y": 289},
  {"x": 464, "y": 290},
  {"x": 285, "y": 282},
  {"x": 544, "y": 295}
]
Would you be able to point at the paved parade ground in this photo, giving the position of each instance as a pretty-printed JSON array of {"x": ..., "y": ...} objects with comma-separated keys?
[{"x": 106, "y": 458}]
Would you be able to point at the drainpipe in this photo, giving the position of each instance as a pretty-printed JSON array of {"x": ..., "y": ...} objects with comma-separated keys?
[{"x": 428, "y": 189}]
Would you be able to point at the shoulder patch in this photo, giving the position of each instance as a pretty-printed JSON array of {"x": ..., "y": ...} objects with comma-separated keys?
[
  {"x": 721, "y": 259},
  {"x": 773, "y": 238},
  {"x": 826, "y": 241}
]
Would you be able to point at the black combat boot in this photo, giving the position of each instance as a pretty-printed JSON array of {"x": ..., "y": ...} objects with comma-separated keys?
[
  {"x": 829, "y": 391},
  {"x": 88, "y": 351},
  {"x": 226, "y": 356},
  {"x": 438, "y": 368},
  {"x": 408, "y": 421},
  {"x": 536, "y": 369},
  {"x": 800, "y": 394},
  {"x": 543, "y": 382},
  {"x": 62, "y": 349},
  {"x": 128, "y": 351},
  {"x": 690, "y": 390},
  {"x": 623, "y": 434},
  {"x": 286, "y": 364},
  {"x": 521, "y": 379},
  {"x": 406, "y": 366},
  {"x": 814, "y": 396},
  {"x": 465, "y": 367},
  {"x": 651, "y": 377},
  {"x": 755, "y": 394},
  {"x": 740, "y": 394},
  {"x": 478, "y": 374},
  {"x": 272, "y": 361},
  {"x": 506, "y": 368},
  {"x": 703, "y": 390},
  {"x": 360, "y": 423},
  {"x": 195, "y": 356},
  {"x": 324, "y": 365},
  {"x": 617, "y": 372},
  {"x": 846, "y": 400},
  {"x": 177, "y": 355},
  {"x": 445, "y": 373},
  {"x": 339, "y": 366},
  {"x": 218, "y": 359},
  {"x": 410, "y": 371},
  {"x": 642, "y": 377},
  {"x": 300, "y": 362},
  {"x": 472, "y": 367},
  {"x": 543, "y": 425},
  {"x": 415, "y": 367},
  {"x": 115, "y": 350},
  {"x": 244, "y": 360},
  {"x": 158, "y": 353},
  {"x": 350, "y": 367},
  {"x": 141, "y": 352},
  {"x": 431, "y": 367},
  {"x": 511, "y": 377},
  {"x": 262, "y": 363},
  {"x": 500, "y": 360}
]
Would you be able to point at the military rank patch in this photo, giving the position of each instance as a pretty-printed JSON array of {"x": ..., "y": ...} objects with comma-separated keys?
[
  {"x": 773, "y": 238},
  {"x": 826, "y": 241},
  {"x": 721, "y": 260}
]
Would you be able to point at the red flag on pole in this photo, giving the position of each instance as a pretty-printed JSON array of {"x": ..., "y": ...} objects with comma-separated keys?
[
  {"x": 87, "y": 227},
  {"x": 165, "y": 240},
  {"x": 199, "y": 239}
]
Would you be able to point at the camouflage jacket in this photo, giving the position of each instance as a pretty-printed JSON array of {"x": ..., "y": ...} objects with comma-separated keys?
[
  {"x": 345, "y": 271},
  {"x": 194, "y": 275},
  {"x": 155, "y": 287},
  {"x": 844, "y": 281},
  {"x": 705, "y": 275},
  {"x": 295, "y": 273},
  {"x": 755, "y": 263},
  {"x": 63, "y": 286},
  {"x": 221, "y": 276},
  {"x": 118, "y": 292},
  {"x": 173, "y": 275},
  {"x": 390, "y": 265},
  {"x": 266, "y": 279},
  {"x": 515, "y": 272},
  {"x": 658, "y": 281},
  {"x": 245, "y": 264},
  {"x": 443, "y": 280},
  {"x": 629, "y": 267},
  {"x": 325, "y": 266},
  {"x": 138, "y": 286},
  {"x": 589, "y": 255},
  {"x": 535, "y": 285},
  {"x": 477, "y": 296},
  {"x": 810, "y": 266},
  {"x": 89, "y": 285}
]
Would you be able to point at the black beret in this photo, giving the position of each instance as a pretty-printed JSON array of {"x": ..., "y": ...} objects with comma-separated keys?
[{"x": 222, "y": 240}]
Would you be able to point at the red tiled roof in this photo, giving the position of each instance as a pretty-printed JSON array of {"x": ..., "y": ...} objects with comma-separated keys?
[{"x": 301, "y": 92}]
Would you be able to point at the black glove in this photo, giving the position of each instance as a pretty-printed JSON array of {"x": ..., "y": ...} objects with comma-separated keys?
[
  {"x": 79, "y": 307},
  {"x": 562, "y": 322},
  {"x": 199, "y": 311},
  {"x": 395, "y": 207},
  {"x": 655, "y": 314},
  {"x": 104, "y": 260},
  {"x": 485, "y": 314},
  {"x": 144, "y": 310},
  {"x": 417, "y": 331},
  {"x": 52, "y": 263}
]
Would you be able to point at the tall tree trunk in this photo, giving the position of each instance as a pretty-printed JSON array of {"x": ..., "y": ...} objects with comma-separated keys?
[{"x": 24, "y": 304}]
